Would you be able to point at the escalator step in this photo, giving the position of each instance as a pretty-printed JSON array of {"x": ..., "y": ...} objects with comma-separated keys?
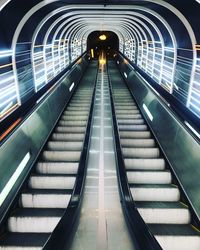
[
  {"x": 61, "y": 156},
  {"x": 62, "y": 129},
  {"x": 124, "y": 105},
  {"x": 132, "y": 127},
  {"x": 67, "y": 146},
  {"x": 164, "y": 212},
  {"x": 73, "y": 123},
  {"x": 77, "y": 104},
  {"x": 71, "y": 108},
  {"x": 154, "y": 192},
  {"x": 141, "y": 152},
  {"x": 57, "y": 167},
  {"x": 51, "y": 182},
  {"x": 68, "y": 137},
  {"x": 146, "y": 164},
  {"x": 129, "y": 112},
  {"x": 131, "y": 116},
  {"x": 37, "y": 220},
  {"x": 128, "y": 107},
  {"x": 44, "y": 200},
  {"x": 149, "y": 177},
  {"x": 130, "y": 122},
  {"x": 135, "y": 134},
  {"x": 75, "y": 113},
  {"x": 143, "y": 143},
  {"x": 74, "y": 118}
]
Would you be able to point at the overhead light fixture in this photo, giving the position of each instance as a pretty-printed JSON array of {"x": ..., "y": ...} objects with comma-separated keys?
[{"x": 102, "y": 37}]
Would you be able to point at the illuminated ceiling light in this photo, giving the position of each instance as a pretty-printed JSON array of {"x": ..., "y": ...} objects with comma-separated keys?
[{"x": 102, "y": 37}]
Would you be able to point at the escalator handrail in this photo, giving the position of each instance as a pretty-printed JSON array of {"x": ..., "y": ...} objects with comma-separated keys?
[
  {"x": 63, "y": 234},
  {"x": 138, "y": 228}
]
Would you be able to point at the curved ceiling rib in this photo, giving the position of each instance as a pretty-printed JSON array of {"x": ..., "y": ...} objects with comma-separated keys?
[{"x": 146, "y": 37}]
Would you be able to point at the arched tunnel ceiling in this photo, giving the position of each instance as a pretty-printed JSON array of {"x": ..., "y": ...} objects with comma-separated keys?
[
  {"x": 164, "y": 32},
  {"x": 178, "y": 15}
]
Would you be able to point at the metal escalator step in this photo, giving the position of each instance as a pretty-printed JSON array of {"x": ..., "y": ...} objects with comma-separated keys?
[
  {"x": 124, "y": 111},
  {"x": 129, "y": 127},
  {"x": 20, "y": 241},
  {"x": 74, "y": 118},
  {"x": 34, "y": 220},
  {"x": 77, "y": 104},
  {"x": 61, "y": 156},
  {"x": 68, "y": 137},
  {"x": 149, "y": 177},
  {"x": 143, "y": 143},
  {"x": 51, "y": 182},
  {"x": 124, "y": 105},
  {"x": 163, "y": 212},
  {"x": 176, "y": 237},
  {"x": 123, "y": 99},
  {"x": 63, "y": 129},
  {"x": 137, "y": 115},
  {"x": 152, "y": 192},
  {"x": 140, "y": 152},
  {"x": 71, "y": 108},
  {"x": 73, "y": 123},
  {"x": 145, "y": 164},
  {"x": 80, "y": 102},
  {"x": 130, "y": 122},
  {"x": 122, "y": 93},
  {"x": 134, "y": 134},
  {"x": 128, "y": 107},
  {"x": 57, "y": 167},
  {"x": 75, "y": 113},
  {"x": 64, "y": 146},
  {"x": 45, "y": 199}
]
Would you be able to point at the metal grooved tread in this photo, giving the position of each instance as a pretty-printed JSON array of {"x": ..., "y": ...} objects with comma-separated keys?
[
  {"x": 49, "y": 188},
  {"x": 157, "y": 199}
]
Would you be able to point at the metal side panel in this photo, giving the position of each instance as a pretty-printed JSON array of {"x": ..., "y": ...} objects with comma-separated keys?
[{"x": 180, "y": 147}]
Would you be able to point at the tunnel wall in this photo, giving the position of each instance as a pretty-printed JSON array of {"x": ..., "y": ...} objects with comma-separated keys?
[
  {"x": 179, "y": 146},
  {"x": 30, "y": 137}
]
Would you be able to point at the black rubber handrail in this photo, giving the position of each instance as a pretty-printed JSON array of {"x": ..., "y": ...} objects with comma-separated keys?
[
  {"x": 138, "y": 228},
  {"x": 63, "y": 234}
]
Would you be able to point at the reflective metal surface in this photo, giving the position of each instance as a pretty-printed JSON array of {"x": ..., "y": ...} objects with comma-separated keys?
[{"x": 102, "y": 225}]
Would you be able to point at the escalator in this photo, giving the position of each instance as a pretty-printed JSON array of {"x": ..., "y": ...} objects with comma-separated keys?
[
  {"x": 156, "y": 197},
  {"x": 49, "y": 188}
]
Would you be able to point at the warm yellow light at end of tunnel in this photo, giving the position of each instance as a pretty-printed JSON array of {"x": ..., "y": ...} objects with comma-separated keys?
[
  {"x": 102, "y": 37},
  {"x": 102, "y": 61}
]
